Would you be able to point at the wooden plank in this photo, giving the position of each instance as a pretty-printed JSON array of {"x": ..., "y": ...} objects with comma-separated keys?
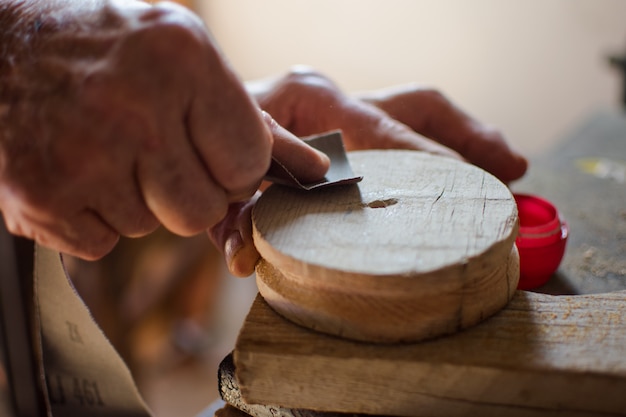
[
  {"x": 541, "y": 356},
  {"x": 423, "y": 246},
  {"x": 231, "y": 394}
]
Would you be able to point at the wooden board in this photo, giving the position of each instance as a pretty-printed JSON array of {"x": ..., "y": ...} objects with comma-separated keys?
[
  {"x": 231, "y": 394},
  {"x": 421, "y": 247},
  {"x": 541, "y": 356}
]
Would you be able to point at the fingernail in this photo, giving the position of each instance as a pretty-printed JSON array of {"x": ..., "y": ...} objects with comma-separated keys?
[
  {"x": 232, "y": 246},
  {"x": 240, "y": 261}
]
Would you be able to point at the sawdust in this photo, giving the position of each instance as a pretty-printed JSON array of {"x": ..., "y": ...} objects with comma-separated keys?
[{"x": 598, "y": 262}]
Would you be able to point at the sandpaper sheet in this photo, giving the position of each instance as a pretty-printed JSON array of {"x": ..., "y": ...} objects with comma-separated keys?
[{"x": 340, "y": 171}]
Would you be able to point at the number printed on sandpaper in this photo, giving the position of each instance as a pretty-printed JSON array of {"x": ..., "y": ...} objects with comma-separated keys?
[{"x": 71, "y": 390}]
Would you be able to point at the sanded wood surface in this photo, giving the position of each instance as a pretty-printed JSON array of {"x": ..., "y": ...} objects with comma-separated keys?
[
  {"x": 540, "y": 356},
  {"x": 423, "y": 246},
  {"x": 412, "y": 213}
]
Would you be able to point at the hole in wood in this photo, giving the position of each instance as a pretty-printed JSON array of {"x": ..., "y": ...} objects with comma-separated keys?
[{"x": 382, "y": 203}]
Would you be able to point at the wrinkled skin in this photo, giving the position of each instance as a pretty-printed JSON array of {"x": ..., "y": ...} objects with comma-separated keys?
[
  {"x": 118, "y": 116},
  {"x": 306, "y": 102}
]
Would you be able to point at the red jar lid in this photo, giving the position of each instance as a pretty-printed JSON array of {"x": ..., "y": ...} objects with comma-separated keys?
[{"x": 541, "y": 240}]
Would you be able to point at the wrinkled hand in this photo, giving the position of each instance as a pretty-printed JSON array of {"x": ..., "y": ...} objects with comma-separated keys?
[
  {"x": 118, "y": 116},
  {"x": 305, "y": 102},
  {"x": 408, "y": 117}
]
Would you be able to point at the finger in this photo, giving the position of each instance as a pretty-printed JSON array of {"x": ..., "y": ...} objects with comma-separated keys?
[
  {"x": 306, "y": 163},
  {"x": 178, "y": 189},
  {"x": 84, "y": 234},
  {"x": 229, "y": 133},
  {"x": 487, "y": 148},
  {"x": 233, "y": 236},
  {"x": 367, "y": 127},
  {"x": 124, "y": 210},
  {"x": 430, "y": 113}
]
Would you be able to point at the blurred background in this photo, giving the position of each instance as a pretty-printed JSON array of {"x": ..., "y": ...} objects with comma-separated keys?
[
  {"x": 533, "y": 68},
  {"x": 536, "y": 69}
]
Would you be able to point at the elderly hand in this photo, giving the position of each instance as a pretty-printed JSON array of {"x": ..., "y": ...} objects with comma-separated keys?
[
  {"x": 117, "y": 116},
  {"x": 306, "y": 102}
]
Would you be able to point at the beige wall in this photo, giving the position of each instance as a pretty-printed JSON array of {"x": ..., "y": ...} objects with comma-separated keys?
[{"x": 534, "y": 68}]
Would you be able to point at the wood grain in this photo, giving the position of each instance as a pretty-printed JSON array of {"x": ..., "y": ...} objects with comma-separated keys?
[
  {"x": 423, "y": 246},
  {"x": 231, "y": 394},
  {"x": 540, "y": 356}
]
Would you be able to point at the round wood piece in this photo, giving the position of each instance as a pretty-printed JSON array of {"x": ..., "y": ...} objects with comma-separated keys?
[{"x": 423, "y": 246}]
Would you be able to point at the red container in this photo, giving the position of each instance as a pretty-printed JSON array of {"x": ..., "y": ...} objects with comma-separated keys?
[{"x": 541, "y": 240}]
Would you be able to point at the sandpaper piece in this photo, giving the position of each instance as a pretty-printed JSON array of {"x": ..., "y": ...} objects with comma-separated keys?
[
  {"x": 74, "y": 371},
  {"x": 230, "y": 393},
  {"x": 340, "y": 171},
  {"x": 84, "y": 374}
]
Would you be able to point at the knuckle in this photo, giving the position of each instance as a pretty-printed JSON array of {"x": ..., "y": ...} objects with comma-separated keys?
[
  {"x": 27, "y": 196},
  {"x": 15, "y": 227},
  {"x": 189, "y": 213},
  {"x": 431, "y": 94},
  {"x": 493, "y": 133},
  {"x": 303, "y": 71},
  {"x": 94, "y": 248},
  {"x": 195, "y": 223},
  {"x": 241, "y": 179},
  {"x": 170, "y": 32},
  {"x": 146, "y": 225},
  {"x": 307, "y": 78}
]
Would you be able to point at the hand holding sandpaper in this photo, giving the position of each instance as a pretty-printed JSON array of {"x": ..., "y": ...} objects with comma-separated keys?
[{"x": 116, "y": 117}]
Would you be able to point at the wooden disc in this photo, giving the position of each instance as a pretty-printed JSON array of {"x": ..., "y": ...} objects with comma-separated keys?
[{"x": 423, "y": 246}]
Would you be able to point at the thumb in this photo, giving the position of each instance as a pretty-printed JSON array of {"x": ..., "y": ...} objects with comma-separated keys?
[
  {"x": 233, "y": 237},
  {"x": 306, "y": 163}
]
